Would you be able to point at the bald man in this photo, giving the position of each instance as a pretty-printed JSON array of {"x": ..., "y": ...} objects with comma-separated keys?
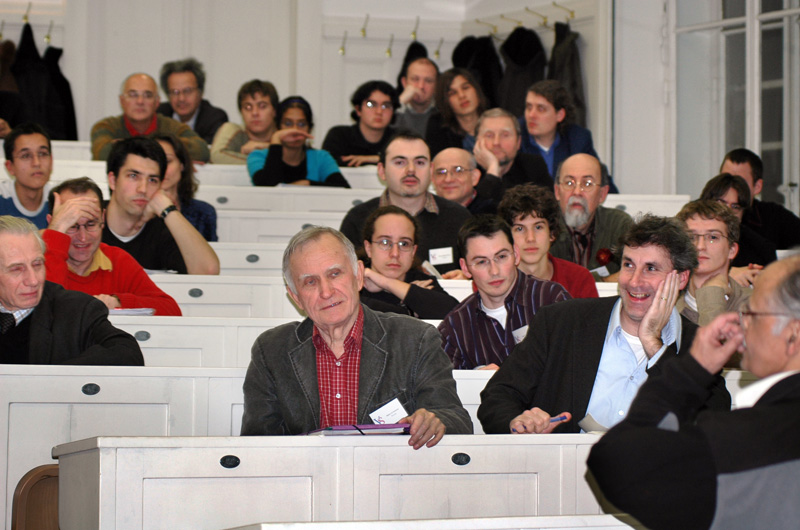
[
  {"x": 139, "y": 100},
  {"x": 590, "y": 230}
]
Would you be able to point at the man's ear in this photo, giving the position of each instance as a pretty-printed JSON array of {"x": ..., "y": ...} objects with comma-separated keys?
[
  {"x": 360, "y": 275},
  {"x": 464, "y": 269},
  {"x": 733, "y": 251},
  {"x": 561, "y": 114},
  {"x": 683, "y": 279},
  {"x": 757, "y": 188},
  {"x": 517, "y": 256},
  {"x": 294, "y": 298},
  {"x": 49, "y": 218},
  {"x": 10, "y": 168},
  {"x": 112, "y": 181},
  {"x": 381, "y": 172}
]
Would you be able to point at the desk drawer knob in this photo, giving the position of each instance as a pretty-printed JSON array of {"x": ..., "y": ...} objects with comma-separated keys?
[
  {"x": 460, "y": 459},
  {"x": 229, "y": 461},
  {"x": 90, "y": 389},
  {"x": 141, "y": 335},
  {"x": 222, "y": 200},
  {"x": 356, "y": 202},
  {"x": 195, "y": 293},
  {"x": 252, "y": 258},
  {"x": 307, "y": 225}
]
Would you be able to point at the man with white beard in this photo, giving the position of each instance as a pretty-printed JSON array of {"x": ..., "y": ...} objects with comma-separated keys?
[{"x": 590, "y": 231}]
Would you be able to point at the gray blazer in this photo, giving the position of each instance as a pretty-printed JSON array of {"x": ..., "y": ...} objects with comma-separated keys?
[{"x": 401, "y": 357}]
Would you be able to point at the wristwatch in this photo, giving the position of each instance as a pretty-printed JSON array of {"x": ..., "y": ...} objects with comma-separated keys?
[{"x": 165, "y": 212}]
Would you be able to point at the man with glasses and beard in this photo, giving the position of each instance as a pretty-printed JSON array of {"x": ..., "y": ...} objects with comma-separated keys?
[{"x": 590, "y": 229}]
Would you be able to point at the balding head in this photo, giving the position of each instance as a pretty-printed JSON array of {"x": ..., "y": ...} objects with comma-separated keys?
[
  {"x": 139, "y": 99},
  {"x": 455, "y": 175},
  {"x": 579, "y": 189}
]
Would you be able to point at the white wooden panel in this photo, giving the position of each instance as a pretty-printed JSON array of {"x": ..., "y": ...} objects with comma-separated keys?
[
  {"x": 284, "y": 198},
  {"x": 605, "y": 522},
  {"x": 270, "y": 227},
  {"x": 607, "y": 288},
  {"x": 664, "y": 205},
  {"x": 228, "y": 296}
]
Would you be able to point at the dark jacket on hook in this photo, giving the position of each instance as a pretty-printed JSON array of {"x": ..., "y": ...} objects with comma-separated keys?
[
  {"x": 478, "y": 55},
  {"x": 565, "y": 66},
  {"x": 525, "y": 60}
]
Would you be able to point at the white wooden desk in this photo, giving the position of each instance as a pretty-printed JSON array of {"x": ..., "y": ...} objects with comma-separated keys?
[
  {"x": 209, "y": 483},
  {"x": 284, "y": 198},
  {"x": 270, "y": 227},
  {"x": 542, "y": 522}
]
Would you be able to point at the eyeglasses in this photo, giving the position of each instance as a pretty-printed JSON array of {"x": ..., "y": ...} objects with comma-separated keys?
[
  {"x": 455, "y": 172},
  {"x": 499, "y": 260},
  {"x": 711, "y": 238},
  {"x": 584, "y": 185},
  {"x": 736, "y": 207},
  {"x": 746, "y": 312},
  {"x": 133, "y": 94},
  {"x": 262, "y": 105},
  {"x": 387, "y": 244},
  {"x": 90, "y": 227},
  {"x": 185, "y": 92},
  {"x": 28, "y": 156},
  {"x": 386, "y": 105}
]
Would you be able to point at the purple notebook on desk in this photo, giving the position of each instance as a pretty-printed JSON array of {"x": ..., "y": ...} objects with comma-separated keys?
[{"x": 345, "y": 430}]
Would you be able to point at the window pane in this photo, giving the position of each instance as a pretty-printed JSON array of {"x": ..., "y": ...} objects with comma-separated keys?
[
  {"x": 772, "y": 5},
  {"x": 690, "y": 12},
  {"x": 772, "y": 54},
  {"x": 734, "y": 90},
  {"x": 732, "y": 8},
  {"x": 773, "y": 175}
]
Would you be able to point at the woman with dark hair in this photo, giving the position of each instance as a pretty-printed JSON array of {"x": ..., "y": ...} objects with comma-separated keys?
[
  {"x": 459, "y": 102},
  {"x": 180, "y": 185},
  {"x": 393, "y": 279},
  {"x": 374, "y": 104},
  {"x": 289, "y": 160}
]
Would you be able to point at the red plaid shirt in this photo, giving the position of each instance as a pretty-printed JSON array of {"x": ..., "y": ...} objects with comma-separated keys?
[{"x": 338, "y": 378}]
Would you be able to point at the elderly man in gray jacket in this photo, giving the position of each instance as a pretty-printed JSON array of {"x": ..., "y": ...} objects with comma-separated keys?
[{"x": 346, "y": 364}]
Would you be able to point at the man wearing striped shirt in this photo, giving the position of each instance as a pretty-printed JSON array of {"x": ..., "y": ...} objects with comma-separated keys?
[{"x": 481, "y": 331}]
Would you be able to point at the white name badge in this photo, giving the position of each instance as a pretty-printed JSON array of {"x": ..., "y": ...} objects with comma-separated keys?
[
  {"x": 392, "y": 412},
  {"x": 519, "y": 334},
  {"x": 440, "y": 256},
  {"x": 601, "y": 271}
]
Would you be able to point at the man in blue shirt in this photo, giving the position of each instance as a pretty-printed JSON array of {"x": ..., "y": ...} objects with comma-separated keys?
[
  {"x": 29, "y": 163},
  {"x": 590, "y": 356}
]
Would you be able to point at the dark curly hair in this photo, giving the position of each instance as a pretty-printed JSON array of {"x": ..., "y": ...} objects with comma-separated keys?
[
  {"x": 529, "y": 199},
  {"x": 666, "y": 232}
]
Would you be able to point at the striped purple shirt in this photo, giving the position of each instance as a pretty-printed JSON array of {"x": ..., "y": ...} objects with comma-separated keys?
[{"x": 471, "y": 338}]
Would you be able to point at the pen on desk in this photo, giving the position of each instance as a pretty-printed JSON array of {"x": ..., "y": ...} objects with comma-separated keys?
[{"x": 558, "y": 418}]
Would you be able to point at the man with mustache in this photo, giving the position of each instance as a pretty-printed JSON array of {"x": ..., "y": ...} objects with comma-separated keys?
[
  {"x": 588, "y": 357},
  {"x": 590, "y": 230},
  {"x": 405, "y": 166}
]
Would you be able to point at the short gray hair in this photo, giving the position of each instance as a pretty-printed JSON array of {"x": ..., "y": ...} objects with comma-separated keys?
[
  {"x": 20, "y": 227},
  {"x": 188, "y": 65},
  {"x": 470, "y": 158},
  {"x": 604, "y": 180},
  {"x": 787, "y": 292},
  {"x": 497, "y": 112},
  {"x": 125, "y": 81},
  {"x": 313, "y": 233}
]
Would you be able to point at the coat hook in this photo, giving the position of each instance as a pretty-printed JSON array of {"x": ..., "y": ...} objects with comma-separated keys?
[
  {"x": 437, "y": 54},
  {"x": 389, "y": 48},
  {"x": 544, "y": 18},
  {"x": 27, "y": 12},
  {"x": 568, "y": 10},
  {"x": 344, "y": 41},
  {"x": 364, "y": 27},
  {"x": 517, "y": 22},
  {"x": 494, "y": 28},
  {"x": 416, "y": 27},
  {"x": 49, "y": 31}
]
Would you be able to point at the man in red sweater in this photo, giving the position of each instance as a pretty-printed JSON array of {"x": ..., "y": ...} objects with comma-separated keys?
[{"x": 78, "y": 260}]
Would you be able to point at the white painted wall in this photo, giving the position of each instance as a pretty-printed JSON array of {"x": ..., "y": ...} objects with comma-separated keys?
[{"x": 294, "y": 44}]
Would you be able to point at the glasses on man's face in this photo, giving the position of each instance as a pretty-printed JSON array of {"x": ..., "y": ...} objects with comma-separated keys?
[
  {"x": 28, "y": 156},
  {"x": 746, "y": 312},
  {"x": 134, "y": 94},
  {"x": 455, "y": 172},
  {"x": 185, "y": 92},
  {"x": 711, "y": 238},
  {"x": 735, "y": 206},
  {"x": 500, "y": 259},
  {"x": 387, "y": 244},
  {"x": 90, "y": 226},
  {"x": 386, "y": 105},
  {"x": 571, "y": 184}
]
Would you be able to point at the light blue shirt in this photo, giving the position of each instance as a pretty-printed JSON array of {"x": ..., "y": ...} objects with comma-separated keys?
[{"x": 620, "y": 373}]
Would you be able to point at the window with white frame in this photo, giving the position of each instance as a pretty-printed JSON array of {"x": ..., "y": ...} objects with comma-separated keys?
[{"x": 737, "y": 84}]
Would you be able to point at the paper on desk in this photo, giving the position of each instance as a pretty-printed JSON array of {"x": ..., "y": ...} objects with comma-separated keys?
[{"x": 592, "y": 426}]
